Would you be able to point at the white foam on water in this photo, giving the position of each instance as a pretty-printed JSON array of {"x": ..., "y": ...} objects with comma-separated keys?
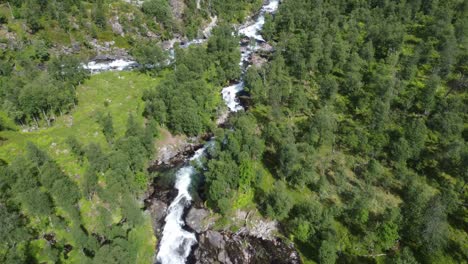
[
  {"x": 176, "y": 243},
  {"x": 193, "y": 42},
  {"x": 115, "y": 65},
  {"x": 253, "y": 30},
  {"x": 230, "y": 96},
  {"x": 271, "y": 7}
]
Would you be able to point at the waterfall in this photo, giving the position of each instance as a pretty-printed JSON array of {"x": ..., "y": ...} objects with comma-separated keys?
[{"x": 176, "y": 243}]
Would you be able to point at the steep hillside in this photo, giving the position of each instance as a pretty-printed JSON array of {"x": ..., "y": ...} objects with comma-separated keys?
[{"x": 355, "y": 136}]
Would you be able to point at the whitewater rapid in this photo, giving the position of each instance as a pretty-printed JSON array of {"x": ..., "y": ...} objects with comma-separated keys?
[
  {"x": 176, "y": 243},
  {"x": 113, "y": 65},
  {"x": 250, "y": 30}
]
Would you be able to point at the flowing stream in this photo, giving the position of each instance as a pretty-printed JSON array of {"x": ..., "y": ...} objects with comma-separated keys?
[
  {"x": 176, "y": 243},
  {"x": 113, "y": 65}
]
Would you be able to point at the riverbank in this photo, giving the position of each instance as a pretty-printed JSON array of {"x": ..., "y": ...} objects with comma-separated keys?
[{"x": 181, "y": 220}]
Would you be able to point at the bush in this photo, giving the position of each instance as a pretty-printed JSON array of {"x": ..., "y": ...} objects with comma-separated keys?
[
  {"x": 3, "y": 19},
  {"x": 159, "y": 9}
]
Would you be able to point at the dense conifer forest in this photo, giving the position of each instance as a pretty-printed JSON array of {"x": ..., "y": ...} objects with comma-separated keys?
[
  {"x": 353, "y": 138},
  {"x": 76, "y": 198},
  {"x": 356, "y": 134}
]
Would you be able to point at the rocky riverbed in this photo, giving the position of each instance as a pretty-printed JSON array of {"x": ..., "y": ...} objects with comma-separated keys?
[
  {"x": 254, "y": 242},
  {"x": 234, "y": 248},
  {"x": 248, "y": 238},
  {"x": 189, "y": 232}
]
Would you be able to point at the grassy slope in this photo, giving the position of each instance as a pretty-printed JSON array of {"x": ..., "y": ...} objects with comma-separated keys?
[{"x": 123, "y": 91}]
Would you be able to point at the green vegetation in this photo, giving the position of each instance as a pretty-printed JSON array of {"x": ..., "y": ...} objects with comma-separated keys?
[
  {"x": 150, "y": 57},
  {"x": 31, "y": 95},
  {"x": 74, "y": 147},
  {"x": 235, "y": 10},
  {"x": 114, "y": 93},
  {"x": 36, "y": 84},
  {"x": 188, "y": 99},
  {"x": 77, "y": 202},
  {"x": 159, "y": 9},
  {"x": 356, "y": 137}
]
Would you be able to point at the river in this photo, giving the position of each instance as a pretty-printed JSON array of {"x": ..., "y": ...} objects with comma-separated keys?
[{"x": 176, "y": 242}]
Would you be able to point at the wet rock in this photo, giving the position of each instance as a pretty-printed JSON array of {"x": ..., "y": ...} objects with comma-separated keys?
[
  {"x": 264, "y": 46},
  {"x": 149, "y": 191},
  {"x": 173, "y": 157},
  {"x": 223, "y": 257},
  {"x": 244, "y": 41},
  {"x": 158, "y": 211},
  {"x": 257, "y": 60},
  {"x": 245, "y": 100},
  {"x": 164, "y": 195},
  {"x": 254, "y": 242},
  {"x": 103, "y": 58},
  {"x": 198, "y": 219},
  {"x": 210, "y": 249}
]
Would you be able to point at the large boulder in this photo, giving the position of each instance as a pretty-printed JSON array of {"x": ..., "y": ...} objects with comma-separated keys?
[
  {"x": 211, "y": 249},
  {"x": 116, "y": 26},
  {"x": 215, "y": 239},
  {"x": 199, "y": 219}
]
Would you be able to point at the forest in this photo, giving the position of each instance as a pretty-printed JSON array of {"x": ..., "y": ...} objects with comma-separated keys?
[
  {"x": 353, "y": 138},
  {"x": 73, "y": 163}
]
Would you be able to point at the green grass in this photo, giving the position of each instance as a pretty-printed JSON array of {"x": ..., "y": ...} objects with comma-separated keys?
[
  {"x": 138, "y": 238},
  {"x": 122, "y": 91}
]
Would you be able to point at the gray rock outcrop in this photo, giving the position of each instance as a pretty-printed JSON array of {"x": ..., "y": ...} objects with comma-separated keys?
[
  {"x": 158, "y": 211},
  {"x": 229, "y": 248},
  {"x": 199, "y": 219},
  {"x": 116, "y": 26}
]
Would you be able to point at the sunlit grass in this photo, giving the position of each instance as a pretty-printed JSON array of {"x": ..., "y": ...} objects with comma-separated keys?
[{"x": 121, "y": 90}]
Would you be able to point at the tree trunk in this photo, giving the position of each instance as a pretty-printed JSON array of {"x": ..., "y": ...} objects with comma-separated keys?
[
  {"x": 35, "y": 120},
  {"x": 46, "y": 118}
]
